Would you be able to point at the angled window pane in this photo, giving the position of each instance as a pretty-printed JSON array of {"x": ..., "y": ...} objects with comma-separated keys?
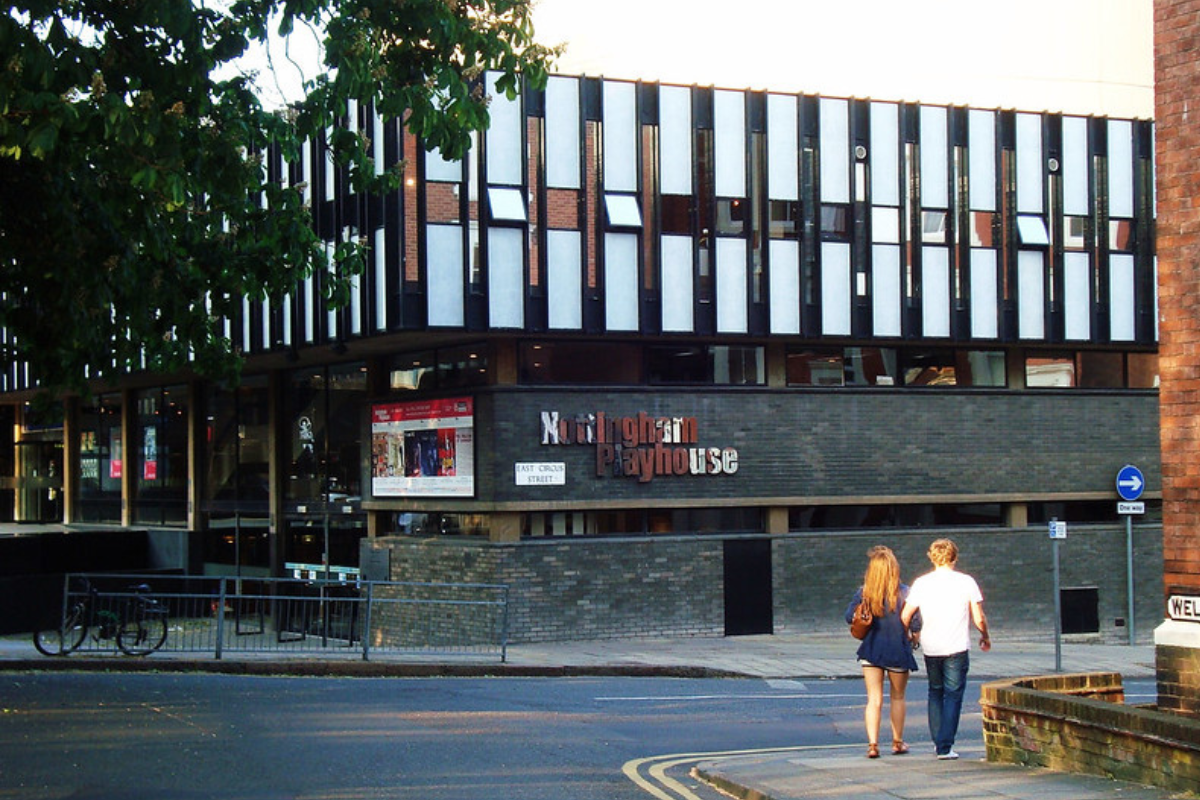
[
  {"x": 507, "y": 205},
  {"x": 623, "y": 211}
]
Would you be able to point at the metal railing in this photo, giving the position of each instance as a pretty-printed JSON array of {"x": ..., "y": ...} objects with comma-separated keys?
[{"x": 285, "y": 616}]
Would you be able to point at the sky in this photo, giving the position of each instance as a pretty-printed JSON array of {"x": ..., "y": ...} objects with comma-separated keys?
[{"x": 1073, "y": 56}]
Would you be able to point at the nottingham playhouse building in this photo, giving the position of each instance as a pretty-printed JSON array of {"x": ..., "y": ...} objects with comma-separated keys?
[{"x": 668, "y": 360}]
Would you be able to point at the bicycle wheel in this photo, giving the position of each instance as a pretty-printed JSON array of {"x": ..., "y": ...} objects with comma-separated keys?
[
  {"x": 62, "y": 640},
  {"x": 141, "y": 637}
]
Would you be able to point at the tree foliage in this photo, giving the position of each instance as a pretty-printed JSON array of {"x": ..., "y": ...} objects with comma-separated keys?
[{"x": 134, "y": 213}]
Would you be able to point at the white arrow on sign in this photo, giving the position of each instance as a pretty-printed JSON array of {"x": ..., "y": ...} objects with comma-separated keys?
[{"x": 1134, "y": 482}]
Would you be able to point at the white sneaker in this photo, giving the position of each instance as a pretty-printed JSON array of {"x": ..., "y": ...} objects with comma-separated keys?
[{"x": 951, "y": 756}]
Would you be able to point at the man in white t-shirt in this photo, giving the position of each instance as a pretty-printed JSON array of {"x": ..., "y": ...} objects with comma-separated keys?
[{"x": 949, "y": 601}]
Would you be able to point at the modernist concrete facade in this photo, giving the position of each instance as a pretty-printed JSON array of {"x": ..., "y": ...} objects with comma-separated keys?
[{"x": 656, "y": 356}]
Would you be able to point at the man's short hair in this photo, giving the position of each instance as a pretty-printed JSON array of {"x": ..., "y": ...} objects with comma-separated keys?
[{"x": 943, "y": 552}]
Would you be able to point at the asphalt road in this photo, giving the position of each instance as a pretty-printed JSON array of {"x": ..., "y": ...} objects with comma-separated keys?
[{"x": 113, "y": 736}]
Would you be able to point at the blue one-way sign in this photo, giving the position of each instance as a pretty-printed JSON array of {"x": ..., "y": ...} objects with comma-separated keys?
[{"x": 1130, "y": 482}]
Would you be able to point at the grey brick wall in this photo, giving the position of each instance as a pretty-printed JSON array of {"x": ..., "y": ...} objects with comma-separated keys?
[
  {"x": 839, "y": 444},
  {"x": 674, "y": 585}
]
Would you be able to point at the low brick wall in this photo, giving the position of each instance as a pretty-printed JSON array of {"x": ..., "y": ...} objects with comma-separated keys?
[{"x": 1079, "y": 723}]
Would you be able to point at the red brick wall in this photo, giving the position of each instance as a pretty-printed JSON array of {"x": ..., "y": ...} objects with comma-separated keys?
[{"x": 1177, "y": 122}]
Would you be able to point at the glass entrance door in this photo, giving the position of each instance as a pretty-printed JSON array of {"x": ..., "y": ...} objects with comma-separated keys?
[{"x": 39, "y": 492}]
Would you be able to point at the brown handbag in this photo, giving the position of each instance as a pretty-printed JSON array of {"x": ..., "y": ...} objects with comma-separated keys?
[{"x": 863, "y": 620}]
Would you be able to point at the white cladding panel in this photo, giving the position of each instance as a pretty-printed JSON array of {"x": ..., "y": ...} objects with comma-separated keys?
[
  {"x": 729, "y": 143},
  {"x": 732, "y": 316},
  {"x": 379, "y": 251},
  {"x": 505, "y": 134},
  {"x": 445, "y": 275},
  {"x": 678, "y": 314},
  {"x": 620, "y": 137},
  {"x": 377, "y": 142},
  {"x": 506, "y": 278},
  {"x": 1077, "y": 301},
  {"x": 675, "y": 139},
  {"x": 885, "y": 289},
  {"x": 1030, "y": 164},
  {"x": 835, "y": 151},
  {"x": 981, "y": 144},
  {"x": 439, "y": 169},
  {"x": 1120, "y": 168},
  {"x": 356, "y": 307},
  {"x": 1075, "y": 167},
  {"x": 562, "y": 133},
  {"x": 935, "y": 291},
  {"x": 620, "y": 281},
  {"x": 934, "y": 158},
  {"x": 564, "y": 290},
  {"x": 835, "y": 288},
  {"x": 785, "y": 286},
  {"x": 885, "y": 154},
  {"x": 1031, "y": 275},
  {"x": 985, "y": 319},
  {"x": 1121, "y": 311},
  {"x": 783, "y": 148}
]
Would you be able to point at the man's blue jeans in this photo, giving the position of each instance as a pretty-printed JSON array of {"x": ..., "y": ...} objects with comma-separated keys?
[{"x": 947, "y": 682}]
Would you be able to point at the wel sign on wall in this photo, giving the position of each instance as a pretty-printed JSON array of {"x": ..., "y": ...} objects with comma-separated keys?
[
  {"x": 1184, "y": 607},
  {"x": 639, "y": 446}
]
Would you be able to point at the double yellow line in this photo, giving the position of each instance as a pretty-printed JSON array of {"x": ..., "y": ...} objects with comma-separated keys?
[{"x": 650, "y": 774}]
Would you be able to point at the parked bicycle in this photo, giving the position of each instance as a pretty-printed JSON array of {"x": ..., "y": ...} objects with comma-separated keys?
[{"x": 136, "y": 621}]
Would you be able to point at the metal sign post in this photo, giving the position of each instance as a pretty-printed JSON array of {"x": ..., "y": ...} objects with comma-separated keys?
[
  {"x": 1058, "y": 532},
  {"x": 1130, "y": 483}
]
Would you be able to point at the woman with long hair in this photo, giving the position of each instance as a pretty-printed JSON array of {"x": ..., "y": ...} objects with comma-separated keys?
[{"x": 887, "y": 647}]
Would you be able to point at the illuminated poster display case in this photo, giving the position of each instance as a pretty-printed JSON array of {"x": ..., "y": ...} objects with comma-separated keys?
[{"x": 423, "y": 448}]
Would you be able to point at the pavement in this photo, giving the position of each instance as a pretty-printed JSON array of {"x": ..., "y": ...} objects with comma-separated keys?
[{"x": 832, "y": 773}]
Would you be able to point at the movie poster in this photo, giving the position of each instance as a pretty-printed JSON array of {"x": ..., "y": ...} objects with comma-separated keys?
[{"x": 423, "y": 448}]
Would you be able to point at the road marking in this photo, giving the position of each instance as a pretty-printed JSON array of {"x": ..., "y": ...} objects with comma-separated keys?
[
  {"x": 659, "y": 784},
  {"x": 649, "y": 697}
]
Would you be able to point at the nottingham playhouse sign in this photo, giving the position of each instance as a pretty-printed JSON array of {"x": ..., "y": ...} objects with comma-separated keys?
[{"x": 642, "y": 446}]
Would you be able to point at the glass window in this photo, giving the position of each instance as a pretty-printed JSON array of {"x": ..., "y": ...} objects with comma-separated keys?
[
  {"x": 623, "y": 211},
  {"x": 928, "y": 367},
  {"x": 101, "y": 460},
  {"x": 676, "y": 214},
  {"x": 722, "y": 366},
  {"x": 1075, "y": 233},
  {"x": 982, "y": 368},
  {"x": 1120, "y": 234},
  {"x": 835, "y": 222},
  {"x": 507, "y": 205},
  {"x": 731, "y": 217},
  {"x": 462, "y": 366},
  {"x": 785, "y": 219},
  {"x": 642, "y": 522},
  {"x": 1048, "y": 371},
  {"x": 162, "y": 478},
  {"x": 895, "y": 516},
  {"x": 870, "y": 366},
  {"x": 982, "y": 229},
  {"x": 739, "y": 366},
  {"x": 1143, "y": 370},
  {"x": 323, "y": 410},
  {"x": 1101, "y": 370},
  {"x": 933, "y": 227},
  {"x": 412, "y": 371},
  {"x": 237, "y": 451},
  {"x": 579, "y": 363},
  {"x": 815, "y": 368},
  {"x": 1031, "y": 231}
]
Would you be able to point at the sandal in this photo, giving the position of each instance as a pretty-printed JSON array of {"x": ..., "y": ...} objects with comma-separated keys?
[
  {"x": 899, "y": 748},
  {"x": 872, "y": 750}
]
